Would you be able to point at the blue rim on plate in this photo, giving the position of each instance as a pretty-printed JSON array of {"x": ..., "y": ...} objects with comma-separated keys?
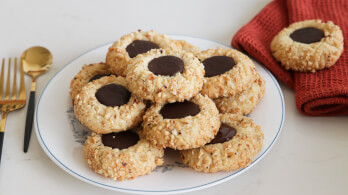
[{"x": 218, "y": 181}]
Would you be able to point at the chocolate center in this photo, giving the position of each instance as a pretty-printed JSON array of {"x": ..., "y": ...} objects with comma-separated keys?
[
  {"x": 139, "y": 47},
  {"x": 179, "y": 110},
  {"x": 217, "y": 65},
  {"x": 120, "y": 140},
  {"x": 98, "y": 76},
  {"x": 307, "y": 35},
  {"x": 225, "y": 133},
  {"x": 113, "y": 95},
  {"x": 166, "y": 65}
]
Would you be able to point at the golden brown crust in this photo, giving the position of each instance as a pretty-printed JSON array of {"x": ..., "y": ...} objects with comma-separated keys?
[
  {"x": 232, "y": 155},
  {"x": 157, "y": 88},
  {"x": 85, "y": 74},
  {"x": 188, "y": 47},
  {"x": 308, "y": 57},
  {"x": 117, "y": 164},
  {"x": 117, "y": 56},
  {"x": 183, "y": 133},
  {"x": 244, "y": 102},
  {"x": 105, "y": 119},
  {"x": 234, "y": 81}
]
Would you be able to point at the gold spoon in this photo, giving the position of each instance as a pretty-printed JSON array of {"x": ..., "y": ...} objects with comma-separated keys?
[{"x": 36, "y": 61}]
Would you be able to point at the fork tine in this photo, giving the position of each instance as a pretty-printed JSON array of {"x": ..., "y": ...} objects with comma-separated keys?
[
  {"x": 2, "y": 77},
  {"x": 14, "y": 88},
  {"x": 7, "y": 92},
  {"x": 22, "y": 85}
]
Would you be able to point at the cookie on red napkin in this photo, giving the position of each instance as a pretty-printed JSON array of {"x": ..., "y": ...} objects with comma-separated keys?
[{"x": 324, "y": 93}]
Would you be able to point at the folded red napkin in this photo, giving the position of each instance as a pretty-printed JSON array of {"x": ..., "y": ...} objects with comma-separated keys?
[{"x": 324, "y": 93}]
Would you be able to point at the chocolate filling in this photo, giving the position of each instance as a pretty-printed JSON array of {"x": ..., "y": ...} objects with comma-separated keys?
[
  {"x": 166, "y": 65},
  {"x": 307, "y": 35},
  {"x": 225, "y": 134},
  {"x": 179, "y": 110},
  {"x": 217, "y": 65},
  {"x": 113, "y": 95},
  {"x": 98, "y": 76},
  {"x": 120, "y": 140},
  {"x": 139, "y": 47}
]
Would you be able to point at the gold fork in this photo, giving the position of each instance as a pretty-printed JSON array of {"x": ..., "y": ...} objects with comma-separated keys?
[{"x": 10, "y": 103}]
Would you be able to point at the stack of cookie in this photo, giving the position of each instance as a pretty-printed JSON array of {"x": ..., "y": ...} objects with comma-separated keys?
[{"x": 154, "y": 93}]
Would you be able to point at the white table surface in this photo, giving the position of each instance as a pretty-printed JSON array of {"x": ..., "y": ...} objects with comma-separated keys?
[{"x": 309, "y": 157}]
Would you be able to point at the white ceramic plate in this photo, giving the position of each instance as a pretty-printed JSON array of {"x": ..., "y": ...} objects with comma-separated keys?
[{"x": 61, "y": 135}]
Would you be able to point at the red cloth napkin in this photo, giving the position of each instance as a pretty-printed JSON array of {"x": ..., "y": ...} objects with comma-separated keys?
[{"x": 324, "y": 93}]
